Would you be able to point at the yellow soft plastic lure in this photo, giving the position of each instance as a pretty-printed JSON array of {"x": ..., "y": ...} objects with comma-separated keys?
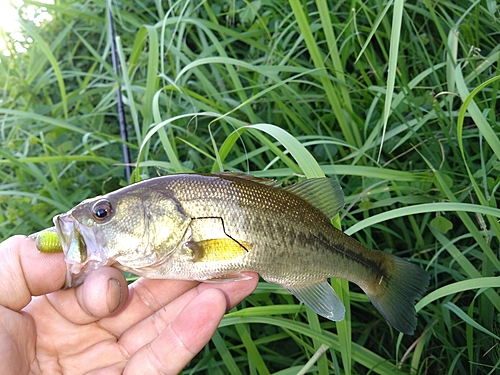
[{"x": 47, "y": 241}]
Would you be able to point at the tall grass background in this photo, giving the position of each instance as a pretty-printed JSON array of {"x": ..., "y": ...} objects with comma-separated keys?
[{"x": 398, "y": 100}]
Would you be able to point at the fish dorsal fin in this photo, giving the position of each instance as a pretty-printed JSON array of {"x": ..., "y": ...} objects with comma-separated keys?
[
  {"x": 323, "y": 193},
  {"x": 321, "y": 298},
  {"x": 244, "y": 176}
]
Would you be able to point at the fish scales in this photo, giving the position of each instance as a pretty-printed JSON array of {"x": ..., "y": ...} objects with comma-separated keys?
[
  {"x": 213, "y": 227},
  {"x": 278, "y": 229}
]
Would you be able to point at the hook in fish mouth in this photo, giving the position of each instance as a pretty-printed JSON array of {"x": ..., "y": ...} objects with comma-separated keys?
[{"x": 82, "y": 249}]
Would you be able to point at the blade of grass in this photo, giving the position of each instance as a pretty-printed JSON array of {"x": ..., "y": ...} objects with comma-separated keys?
[
  {"x": 350, "y": 132},
  {"x": 252, "y": 350},
  {"x": 397, "y": 19},
  {"x": 168, "y": 147},
  {"x": 127, "y": 85},
  {"x": 315, "y": 358},
  {"x": 468, "y": 320},
  {"x": 466, "y": 265},
  {"x": 333, "y": 51},
  {"x": 422, "y": 208},
  {"x": 43, "y": 45},
  {"x": 375, "y": 363},
  {"x": 225, "y": 354},
  {"x": 313, "y": 321}
]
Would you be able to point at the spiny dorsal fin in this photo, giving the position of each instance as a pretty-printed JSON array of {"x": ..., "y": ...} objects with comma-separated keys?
[
  {"x": 323, "y": 193},
  {"x": 244, "y": 176}
]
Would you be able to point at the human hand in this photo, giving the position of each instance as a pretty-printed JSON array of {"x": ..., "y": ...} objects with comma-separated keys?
[{"x": 102, "y": 326}]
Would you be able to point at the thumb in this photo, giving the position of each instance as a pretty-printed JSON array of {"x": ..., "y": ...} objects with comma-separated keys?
[{"x": 27, "y": 272}]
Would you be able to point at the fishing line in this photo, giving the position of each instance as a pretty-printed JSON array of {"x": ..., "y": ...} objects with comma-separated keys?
[{"x": 223, "y": 229}]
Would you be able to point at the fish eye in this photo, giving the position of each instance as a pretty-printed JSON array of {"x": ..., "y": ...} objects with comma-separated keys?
[{"x": 102, "y": 210}]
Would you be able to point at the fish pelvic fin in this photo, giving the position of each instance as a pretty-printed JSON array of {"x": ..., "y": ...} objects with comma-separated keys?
[
  {"x": 394, "y": 296},
  {"x": 321, "y": 298}
]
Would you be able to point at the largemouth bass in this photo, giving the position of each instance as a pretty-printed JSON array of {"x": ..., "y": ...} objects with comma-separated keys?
[{"x": 213, "y": 227}]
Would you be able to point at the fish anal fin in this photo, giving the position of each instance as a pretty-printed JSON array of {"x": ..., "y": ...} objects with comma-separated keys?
[
  {"x": 323, "y": 193},
  {"x": 228, "y": 278},
  {"x": 218, "y": 249},
  {"x": 321, "y": 298}
]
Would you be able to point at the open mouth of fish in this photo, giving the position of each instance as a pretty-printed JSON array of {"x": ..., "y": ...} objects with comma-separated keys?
[{"x": 83, "y": 249}]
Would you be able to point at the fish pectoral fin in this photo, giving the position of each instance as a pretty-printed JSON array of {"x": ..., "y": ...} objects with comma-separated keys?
[
  {"x": 218, "y": 249},
  {"x": 228, "y": 278},
  {"x": 321, "y": 298}
]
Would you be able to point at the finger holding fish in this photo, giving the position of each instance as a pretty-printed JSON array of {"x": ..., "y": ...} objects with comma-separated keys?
[
  {"x": 227, "y": 295},
  {"x": 173, "y": 344}
]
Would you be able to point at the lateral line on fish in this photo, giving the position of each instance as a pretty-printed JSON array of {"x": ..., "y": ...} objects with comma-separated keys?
[
  {"x": 341, "y": 249},
  {"x": 223, "y": 228}
]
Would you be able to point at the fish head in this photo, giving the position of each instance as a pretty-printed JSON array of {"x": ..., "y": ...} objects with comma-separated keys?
[
  {"x": 130, "y": 229},
  {"x": 94, "y": 232}
]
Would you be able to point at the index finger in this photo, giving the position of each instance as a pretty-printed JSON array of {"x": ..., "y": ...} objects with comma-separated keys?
[{"x": 146, "y": 297}]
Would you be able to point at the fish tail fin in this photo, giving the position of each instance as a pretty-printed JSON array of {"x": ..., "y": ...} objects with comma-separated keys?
[{"x": 395, "y": 294}]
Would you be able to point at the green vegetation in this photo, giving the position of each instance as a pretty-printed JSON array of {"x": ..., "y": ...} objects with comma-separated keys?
[{"x": 398, "y": 100}]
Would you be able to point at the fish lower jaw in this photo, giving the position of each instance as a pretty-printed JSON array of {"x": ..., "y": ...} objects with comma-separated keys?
[{"x": 75, "y": 268}]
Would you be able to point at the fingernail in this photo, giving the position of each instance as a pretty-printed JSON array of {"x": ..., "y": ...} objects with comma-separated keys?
[{"x": 114, "y": 294}]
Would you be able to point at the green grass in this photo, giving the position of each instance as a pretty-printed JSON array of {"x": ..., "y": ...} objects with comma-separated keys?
[{"x": 398, "y": 100}]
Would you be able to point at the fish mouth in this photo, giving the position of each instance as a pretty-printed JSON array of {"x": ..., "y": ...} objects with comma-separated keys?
[{"x": 83, "y": 249}]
